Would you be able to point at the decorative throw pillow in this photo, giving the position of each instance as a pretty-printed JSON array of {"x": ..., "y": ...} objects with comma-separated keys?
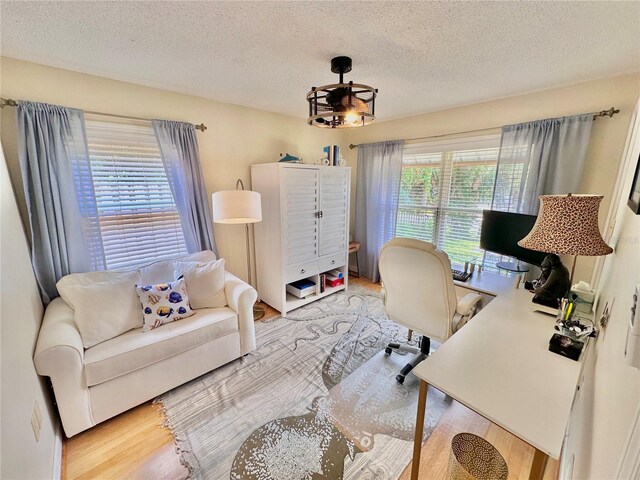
[
  {"x": 105, "y": 303},
  {"x": 163, "y": 303},
  {"x": 205, "y": 282}
]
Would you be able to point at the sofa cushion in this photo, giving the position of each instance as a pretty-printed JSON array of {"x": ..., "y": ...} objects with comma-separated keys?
[
  {"x": 105, "y": 303},
  {"x": 205, "y": 283},
  {"x": 162, "y": 271},
  {"x": 135, "y": 350}
]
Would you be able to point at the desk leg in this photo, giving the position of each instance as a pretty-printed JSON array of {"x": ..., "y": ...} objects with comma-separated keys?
[
  {"x": 538, "y": 465},
  {"x": 417, "y": 441}
]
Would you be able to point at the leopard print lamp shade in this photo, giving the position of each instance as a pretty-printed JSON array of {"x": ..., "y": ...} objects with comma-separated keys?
[{"x": 567, "y": 225}]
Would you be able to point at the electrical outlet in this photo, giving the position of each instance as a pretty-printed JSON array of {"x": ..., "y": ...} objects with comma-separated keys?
[{"x": 35, "y": 425}]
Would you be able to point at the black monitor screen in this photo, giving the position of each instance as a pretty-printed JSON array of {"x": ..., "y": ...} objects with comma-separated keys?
[{"x": 501, "y": 231}]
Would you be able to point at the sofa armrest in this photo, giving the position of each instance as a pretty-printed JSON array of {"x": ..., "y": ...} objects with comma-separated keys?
[
  {"x": 241, "y": 297},
  {"x": 58, "y": 333},
  {"x": 59, "y": 355}
]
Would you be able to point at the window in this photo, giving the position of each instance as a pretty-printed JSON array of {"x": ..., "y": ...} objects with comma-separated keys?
[
  {"x": 444, "y": 187},
  {"x": 138, "y": 218}
]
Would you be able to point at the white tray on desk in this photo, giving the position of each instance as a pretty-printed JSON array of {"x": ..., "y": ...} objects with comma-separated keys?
[{"x": 536, "y": 307}]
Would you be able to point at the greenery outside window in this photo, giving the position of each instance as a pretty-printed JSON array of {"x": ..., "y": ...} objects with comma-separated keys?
[{"x": 444, "y": 187}]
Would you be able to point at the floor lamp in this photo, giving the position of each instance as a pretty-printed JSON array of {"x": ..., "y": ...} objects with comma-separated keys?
[{"x": 235, "y": 207}]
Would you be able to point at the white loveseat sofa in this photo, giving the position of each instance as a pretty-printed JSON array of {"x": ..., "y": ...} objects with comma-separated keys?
[{"x": 94, "y": 384}]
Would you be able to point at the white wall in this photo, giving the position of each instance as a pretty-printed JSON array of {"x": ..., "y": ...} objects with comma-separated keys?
[
  {"x": 605, "y": 146},
  {"x": 20, "y": 318},
  {"x": 613, "y": 399}
]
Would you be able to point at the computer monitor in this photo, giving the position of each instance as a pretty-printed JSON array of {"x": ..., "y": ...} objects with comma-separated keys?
[{"x": 500, "y": 233}]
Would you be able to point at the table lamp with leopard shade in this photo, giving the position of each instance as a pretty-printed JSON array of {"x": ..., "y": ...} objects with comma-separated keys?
[{"x": 566, "y": 225}]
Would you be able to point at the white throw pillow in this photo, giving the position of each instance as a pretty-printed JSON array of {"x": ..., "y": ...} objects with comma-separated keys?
[
  {"x": 163, "y": 303},
  {"x": 205, "y": 283},
  {"x": 162, "y": 270},
  {"x": 105, "y": 303},
  {"x": 89, "y": 278}
]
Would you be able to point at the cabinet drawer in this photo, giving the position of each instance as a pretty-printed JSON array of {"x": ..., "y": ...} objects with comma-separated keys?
[
  {"x": 332, "y": 261},
  {"x": 302, "y": 270}
]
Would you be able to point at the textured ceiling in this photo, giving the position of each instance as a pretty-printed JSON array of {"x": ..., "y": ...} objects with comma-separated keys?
[{"x": 423, "y": 56}]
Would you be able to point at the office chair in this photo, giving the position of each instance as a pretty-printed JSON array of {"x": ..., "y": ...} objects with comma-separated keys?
[{"x": 419, "y": 294}]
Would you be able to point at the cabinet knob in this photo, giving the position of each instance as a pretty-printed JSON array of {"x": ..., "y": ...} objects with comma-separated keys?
[
  {"x": 302, "y": 271},
  {"x": 333, "y": 262}
]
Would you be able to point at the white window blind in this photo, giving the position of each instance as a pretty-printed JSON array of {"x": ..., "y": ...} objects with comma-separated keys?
[
  {"x": 445, "y": 186},
  {"x": 139, "y": 221}
]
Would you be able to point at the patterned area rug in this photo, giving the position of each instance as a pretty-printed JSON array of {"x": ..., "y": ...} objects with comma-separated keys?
[{"x": 317, "y": 400}]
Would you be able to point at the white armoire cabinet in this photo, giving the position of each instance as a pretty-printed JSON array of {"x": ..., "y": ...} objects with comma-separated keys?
[{"x": 304, "y": 230}]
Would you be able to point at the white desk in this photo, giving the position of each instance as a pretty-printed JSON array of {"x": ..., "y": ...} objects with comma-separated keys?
[
  {"x": 499, "y": 366},
  {"x": 489, "y": 284}
]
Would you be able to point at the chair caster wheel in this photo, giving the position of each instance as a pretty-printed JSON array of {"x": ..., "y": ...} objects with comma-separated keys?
[
  {"x": 388, "y": 351},
  {"x": 400, "y": 379}
]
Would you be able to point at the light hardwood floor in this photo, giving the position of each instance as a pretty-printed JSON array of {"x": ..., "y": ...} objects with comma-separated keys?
[{"x": 135, "y": 445}]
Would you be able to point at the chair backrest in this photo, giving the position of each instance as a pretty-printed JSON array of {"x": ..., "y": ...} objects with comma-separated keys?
[{"x": 419, "y": 290}]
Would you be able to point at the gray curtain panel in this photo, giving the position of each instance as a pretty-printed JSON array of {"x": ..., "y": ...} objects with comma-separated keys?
[
  {"x": 377, "y": 193},
  {"x": 541, "y": 157},
  {"x": 56, "y": 174},
  {"x": 179, "y": 149}
]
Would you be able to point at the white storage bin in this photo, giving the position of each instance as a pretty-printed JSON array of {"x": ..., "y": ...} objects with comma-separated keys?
[{"x": 302, "y": 288}]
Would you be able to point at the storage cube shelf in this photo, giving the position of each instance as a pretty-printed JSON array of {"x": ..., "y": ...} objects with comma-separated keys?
[
  {"x": 304, "y": 229},
  {"x": 292, "y": 302}
]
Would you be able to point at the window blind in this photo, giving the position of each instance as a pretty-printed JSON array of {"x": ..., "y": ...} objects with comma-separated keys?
[
  {"x": 445, "y": 186},
  {"x": 139, "y": 221}
]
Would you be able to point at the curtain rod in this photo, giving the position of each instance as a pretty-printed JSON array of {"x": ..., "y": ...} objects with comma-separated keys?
[
  {"x": 8, "y": 102},
  {"x": 602, "y": 113}
]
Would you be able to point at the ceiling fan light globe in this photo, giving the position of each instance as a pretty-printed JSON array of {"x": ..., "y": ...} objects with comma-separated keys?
[{"x": 351, "y": 117}]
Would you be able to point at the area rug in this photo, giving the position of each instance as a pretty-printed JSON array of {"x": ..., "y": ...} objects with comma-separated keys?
[{"x": 317, "y": 400}]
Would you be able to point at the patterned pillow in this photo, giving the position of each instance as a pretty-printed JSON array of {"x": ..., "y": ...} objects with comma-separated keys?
[{"x": 163, "y": 303}]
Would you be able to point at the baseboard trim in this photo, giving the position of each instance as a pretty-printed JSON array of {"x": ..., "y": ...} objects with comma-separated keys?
[{"x": 56, "y": 473}]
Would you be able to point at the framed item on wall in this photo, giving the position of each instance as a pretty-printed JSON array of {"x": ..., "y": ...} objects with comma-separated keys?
[{"x": 634, "y": 195}]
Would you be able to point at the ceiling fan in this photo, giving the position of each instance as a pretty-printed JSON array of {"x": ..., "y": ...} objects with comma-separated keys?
[{"x": 341, "y": 105}]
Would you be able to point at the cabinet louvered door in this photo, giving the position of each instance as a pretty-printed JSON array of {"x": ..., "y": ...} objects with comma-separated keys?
[
  {"x": 301, "y": 207},
  {"x": 333, "y": 207}
]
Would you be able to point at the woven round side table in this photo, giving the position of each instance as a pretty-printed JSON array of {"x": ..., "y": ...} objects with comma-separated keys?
[{"x": 472, "y": 457}]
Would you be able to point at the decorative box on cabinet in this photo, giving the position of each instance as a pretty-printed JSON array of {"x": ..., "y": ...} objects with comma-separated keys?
[{"x": 304, "y": 230}]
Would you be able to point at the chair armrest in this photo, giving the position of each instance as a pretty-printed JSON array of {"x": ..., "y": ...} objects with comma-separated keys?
[
  {"x": 467, "y": 307},
  {"x": 468, "y": 304},
  {"x": 59, "y": 355},
  {"x": 241, "y": 297}
]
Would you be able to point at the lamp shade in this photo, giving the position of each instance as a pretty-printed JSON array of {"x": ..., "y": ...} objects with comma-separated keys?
[
  {"x": 236, "y": 206},
  {"x": 567, "y": 225}
]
